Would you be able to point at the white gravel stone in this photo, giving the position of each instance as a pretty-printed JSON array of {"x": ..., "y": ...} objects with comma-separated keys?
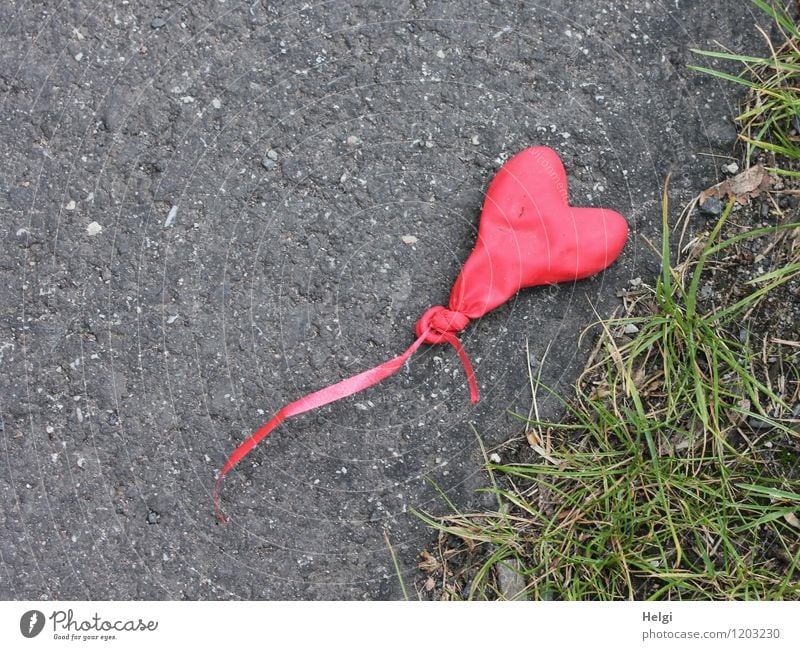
[{"x": 171, "y": 216}]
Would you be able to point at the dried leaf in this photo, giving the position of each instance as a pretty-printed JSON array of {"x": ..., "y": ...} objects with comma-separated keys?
[
  {"x": 601, "y": 391},
  {"x": 533, "y": 438},
  {"x": 742, "y": 187},
  {"x": 430, "y": 583},
  {"x": 543, "y": 453},
  {"x": 428, "y": 563},
  {"x": 792, "y": 519}
]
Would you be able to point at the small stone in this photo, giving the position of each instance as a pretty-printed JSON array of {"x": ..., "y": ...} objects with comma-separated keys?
[
  {"x": 475, "y": 140},
  {"x": 173, "y": 211},
  {"x": 440, "y": 54},
  {"x": 409, "y": 239},
  {"x": 272, "y": 154},
  {"x": 711, "y": 207},
  {"x": 731, "y": 168},
  {"x": 268, "y": 163},
  {"x": 157, "y": 23},
  {"x": 495, "y": 458},
  {"x": 93, "y": 229},
  {"x": 216, "y": 103},
  {"x": 630, "y": 328},
  {"x": 511, "y": 579},
  {"x": 759, "y": 425},
  {"x": 153, "y": 517},
  {"x": 635, "y": 282},
  {"x": 353, "y": 141},
  {"x": 79, "y": 56},
  {"x": 187, "y": 99},
  {"x": 70, "y": 205}
]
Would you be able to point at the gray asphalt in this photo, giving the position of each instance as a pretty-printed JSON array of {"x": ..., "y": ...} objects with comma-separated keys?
[{"x": 203, "y": 218}]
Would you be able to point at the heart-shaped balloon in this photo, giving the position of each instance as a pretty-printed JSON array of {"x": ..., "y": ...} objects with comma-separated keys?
[{"x": 528, "y": 235}]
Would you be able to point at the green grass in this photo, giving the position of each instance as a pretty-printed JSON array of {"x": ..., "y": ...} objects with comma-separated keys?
[
  {"x": 770, "y": 119},
  {"x": 654, "y": 486}
]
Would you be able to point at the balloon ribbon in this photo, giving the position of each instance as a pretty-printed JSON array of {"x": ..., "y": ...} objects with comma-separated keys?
[{"x": 340, "y": 390}]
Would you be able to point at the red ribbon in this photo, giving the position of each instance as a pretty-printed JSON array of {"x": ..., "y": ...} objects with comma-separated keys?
[
  {"x": 528, "y": 235},
  {"x": 439, "y": 331}
]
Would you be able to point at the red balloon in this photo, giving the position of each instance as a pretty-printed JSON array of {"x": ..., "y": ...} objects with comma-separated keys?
[{"x": 528, "y": 235}]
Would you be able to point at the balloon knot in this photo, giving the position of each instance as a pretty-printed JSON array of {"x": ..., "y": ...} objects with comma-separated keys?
[{"x": 440, "y": 322}]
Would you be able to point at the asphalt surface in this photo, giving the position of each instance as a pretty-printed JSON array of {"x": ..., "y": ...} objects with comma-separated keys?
[{"x": 203, "y": 213}]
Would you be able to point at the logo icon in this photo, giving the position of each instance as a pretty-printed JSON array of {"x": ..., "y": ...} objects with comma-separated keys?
[{"x": 31, "y": 623}]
